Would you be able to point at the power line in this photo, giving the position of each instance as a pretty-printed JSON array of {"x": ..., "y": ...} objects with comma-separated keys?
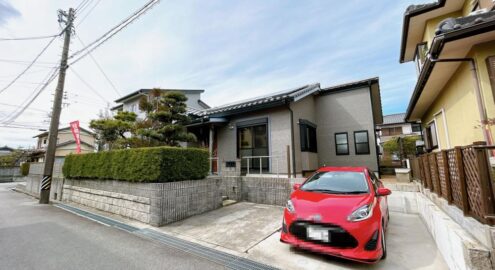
[
  {"x": 88, "y": 85},
  {"x": 113, "y": 31},
  {"x": 17, "y": 106},
  {"x": 89, "y": 12},
  {"x": 14, "y": 115},
  {"x": 81, "y": 5},
  {"x": 29, "y": 38},
  {"x": 26, "y": 62},
  {"x": 101, "y": 69},
  {"x": 29, "y": 66}
]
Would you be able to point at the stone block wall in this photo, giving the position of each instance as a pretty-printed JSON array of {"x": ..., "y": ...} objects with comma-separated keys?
[
  {"x": 153, "y": 203},
  {"x": 263, "y": 190},
  {"x": 126, "y": 205},
  {"x": 275, "y": 191}
]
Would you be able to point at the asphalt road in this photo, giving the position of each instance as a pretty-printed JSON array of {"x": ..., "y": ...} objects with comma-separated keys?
[{"x": 34, "y": 236}]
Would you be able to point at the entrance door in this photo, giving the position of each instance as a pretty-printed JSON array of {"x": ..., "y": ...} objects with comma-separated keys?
[{"x": 252, "y": 141}]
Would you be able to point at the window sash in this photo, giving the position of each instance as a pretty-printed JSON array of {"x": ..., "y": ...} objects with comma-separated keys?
[
  {"x": 339, "y": 146},
  {"x": 361, "y": 147},
  {"x": 308, "y": 138}
]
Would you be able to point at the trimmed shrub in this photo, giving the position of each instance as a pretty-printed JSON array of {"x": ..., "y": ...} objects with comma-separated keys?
[
  {"x": 25, "y": 168},
  {"x": 154, "y": 164}
]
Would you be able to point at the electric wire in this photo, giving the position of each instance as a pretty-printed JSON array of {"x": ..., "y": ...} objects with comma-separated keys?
[
  {"x": 14, "y": 115},
  {"x": 101, "y": 70},
  {"x": 113, "y": 31},
  {"x": 88, "y": 85},
  {"x": 29, "y": 66},
  {"x": 87, "y": 14},
  {"x": 28, "y": 38}
]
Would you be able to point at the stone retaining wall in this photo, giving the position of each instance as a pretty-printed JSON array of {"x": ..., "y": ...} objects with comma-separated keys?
[
  {"x": 126, "y": 205},
  {"x": 154, "y": 203}
]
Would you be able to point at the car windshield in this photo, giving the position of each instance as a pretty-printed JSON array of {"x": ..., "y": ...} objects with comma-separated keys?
[{"x": 337, "y": 183}]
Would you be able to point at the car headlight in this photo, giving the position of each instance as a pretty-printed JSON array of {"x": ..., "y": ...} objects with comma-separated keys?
[
  {"x": 290, "y": 207},
  {"x": 362, "y": 213}
]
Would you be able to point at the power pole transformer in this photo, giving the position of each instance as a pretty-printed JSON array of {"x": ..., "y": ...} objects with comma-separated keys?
[{"x": 67, "y": 18}]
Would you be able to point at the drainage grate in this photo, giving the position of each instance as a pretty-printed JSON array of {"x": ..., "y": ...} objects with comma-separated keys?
[
  {"x": 98, "y": 218},
  {"x": 228, "y": 260}
]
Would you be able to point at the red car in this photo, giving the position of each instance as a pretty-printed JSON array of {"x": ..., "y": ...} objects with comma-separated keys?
[{"x": 340, "y": 211}]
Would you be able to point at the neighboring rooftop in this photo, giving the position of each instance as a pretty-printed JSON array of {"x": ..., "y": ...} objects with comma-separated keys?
[
  {"x": 396, "y": 118},
  {"x": 62, "y": 129},
  {"x": 146, "y": 91}
]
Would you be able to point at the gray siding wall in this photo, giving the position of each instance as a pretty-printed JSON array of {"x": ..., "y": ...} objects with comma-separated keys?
[
  {"x": 304, "y": 109},
  {"x": 278, "y": 136},
  {"x": 346, "y": 111}
]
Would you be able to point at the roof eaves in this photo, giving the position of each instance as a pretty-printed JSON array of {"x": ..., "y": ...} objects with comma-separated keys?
[
  {"x": 350, "y": 85},
  {"x": 435, "y": 50},
  {"x": 412, "y": 11}
]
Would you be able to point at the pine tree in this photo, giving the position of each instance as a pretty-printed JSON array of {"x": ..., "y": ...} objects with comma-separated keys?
[{"x": 166, "y": 118}]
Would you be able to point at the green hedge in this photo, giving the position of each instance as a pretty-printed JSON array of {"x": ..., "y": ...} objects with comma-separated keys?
[
  {"x": 25, "y": 168},
  {"x": 154, "y": 164}
]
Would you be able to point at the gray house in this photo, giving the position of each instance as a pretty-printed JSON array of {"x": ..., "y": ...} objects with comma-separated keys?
[{"x": 296, "y": 131}]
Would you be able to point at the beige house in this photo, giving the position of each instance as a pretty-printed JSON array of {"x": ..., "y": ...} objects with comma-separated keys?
[
  {"x": 452, "y": 43},
  {"x": 66, "y": 144}
]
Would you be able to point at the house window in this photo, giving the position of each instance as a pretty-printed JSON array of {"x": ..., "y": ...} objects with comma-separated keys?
[
  {"x": 430, "y": 136},
  {"x": 490, "y": 63},
  {"x": 416, "y": 127},
  {"x": 361, "y": 142},
  {"x": 421, "y": 54},
  {"x": 341, "y": 144},
  {"x": 392, "y": 131},
  {"x": 307, "y": 136},
  {"x": 252, "y": 141}
]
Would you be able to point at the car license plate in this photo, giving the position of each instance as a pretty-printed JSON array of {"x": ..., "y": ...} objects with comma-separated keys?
[{"x": 318, "y": 233}]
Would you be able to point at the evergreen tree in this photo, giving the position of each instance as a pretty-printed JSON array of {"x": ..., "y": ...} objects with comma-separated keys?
[{"x": 165, "y": 118}]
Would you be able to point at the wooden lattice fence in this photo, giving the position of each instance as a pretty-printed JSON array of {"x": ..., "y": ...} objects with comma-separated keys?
[{"x": 462, "y": 176}]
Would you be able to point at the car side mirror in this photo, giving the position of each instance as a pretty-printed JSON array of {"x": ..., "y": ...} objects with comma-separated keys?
[
  {"x": 296, "y": 186},
  {"x": 383, "y": 192}
]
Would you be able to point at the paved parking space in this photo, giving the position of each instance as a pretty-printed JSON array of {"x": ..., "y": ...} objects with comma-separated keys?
[
  {"x": 409, "y": 247},
  {"x": 236, "y": 227},
  {"x": 252, "y": 230}
]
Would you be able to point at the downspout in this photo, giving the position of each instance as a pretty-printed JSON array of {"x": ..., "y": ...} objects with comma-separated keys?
[
  {"x": 293, "y": 152},
  {"x": 487, "y": 134}
]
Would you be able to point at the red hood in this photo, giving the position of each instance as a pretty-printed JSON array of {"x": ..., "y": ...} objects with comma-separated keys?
[{"x": 332, "y": 208}]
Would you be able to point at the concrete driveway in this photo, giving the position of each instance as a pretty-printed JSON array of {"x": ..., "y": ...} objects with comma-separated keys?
[
  {"x": 252, "y": 230},
  {"x": 238, "y": 227}
]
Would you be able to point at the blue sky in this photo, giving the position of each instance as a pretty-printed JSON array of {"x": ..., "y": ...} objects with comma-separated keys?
[{"x": 232, "y": 49}]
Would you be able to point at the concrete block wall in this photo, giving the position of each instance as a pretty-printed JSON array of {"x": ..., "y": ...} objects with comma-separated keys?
[
  {"x": 32, "y": 186},
  {"x": 263, "y": 190},
  {"x": 8, "y": 174},
  {"x": 275, "y": 191},
  {"x": 153, "y": 203},
  {"x": 126, "y": 205}
]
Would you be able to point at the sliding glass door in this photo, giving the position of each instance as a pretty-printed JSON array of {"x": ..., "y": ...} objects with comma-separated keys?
[{"x": 252, "y": 141}]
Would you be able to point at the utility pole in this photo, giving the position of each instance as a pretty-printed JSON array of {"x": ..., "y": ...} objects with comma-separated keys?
[{"x": 68, "y": 19}]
